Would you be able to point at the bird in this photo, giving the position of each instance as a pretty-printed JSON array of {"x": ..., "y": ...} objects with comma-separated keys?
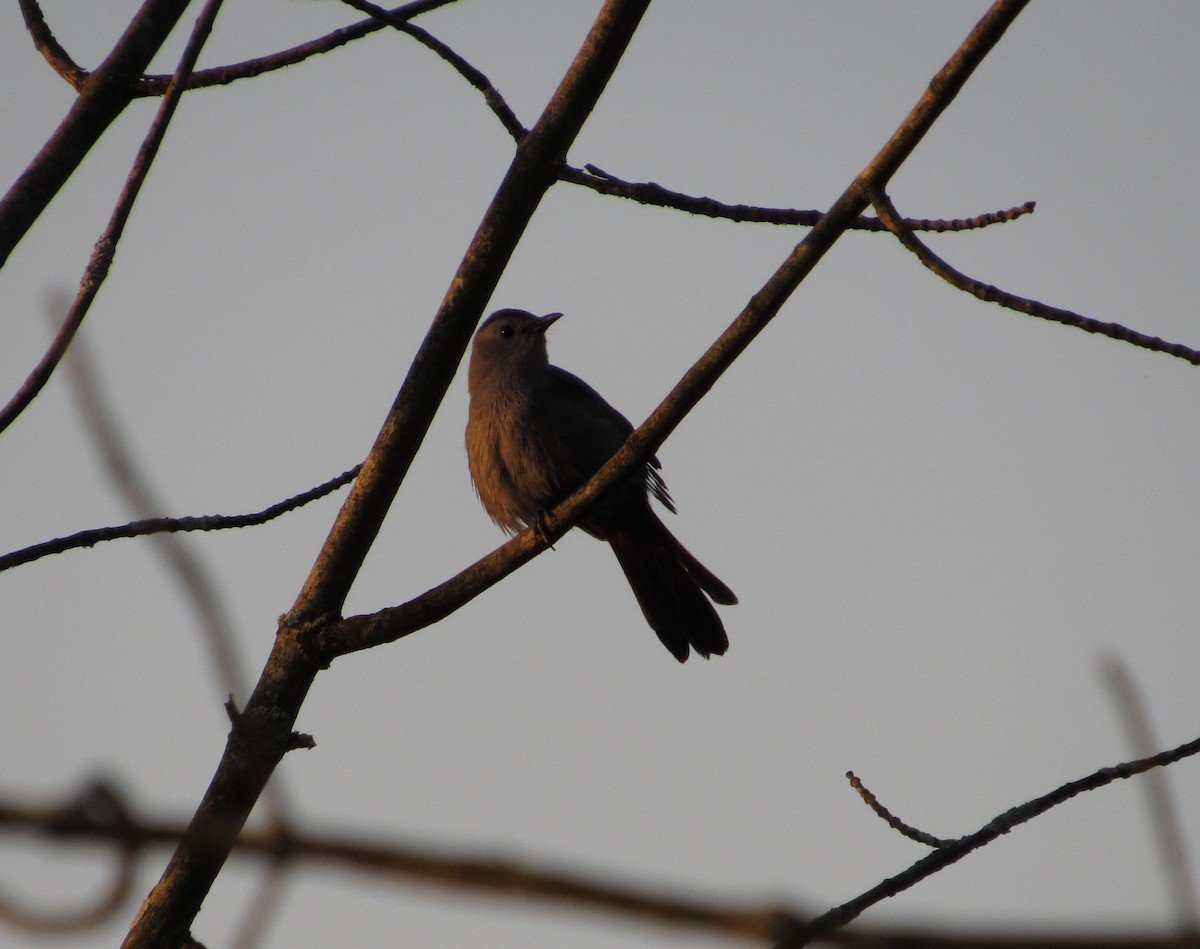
[{"x": 536, "y": 432}]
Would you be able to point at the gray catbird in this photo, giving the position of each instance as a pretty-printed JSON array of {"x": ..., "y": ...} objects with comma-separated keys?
[{"x": 535, "y": 433}]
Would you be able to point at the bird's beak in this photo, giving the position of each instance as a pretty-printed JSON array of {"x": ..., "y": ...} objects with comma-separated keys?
[{"x": 545, "y": 322}]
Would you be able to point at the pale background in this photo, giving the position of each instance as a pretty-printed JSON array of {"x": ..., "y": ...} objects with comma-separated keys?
[{"x": 939, "y": 516}]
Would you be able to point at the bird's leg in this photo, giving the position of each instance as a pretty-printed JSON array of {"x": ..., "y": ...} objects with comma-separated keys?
[{"x": 541, "y": 527}]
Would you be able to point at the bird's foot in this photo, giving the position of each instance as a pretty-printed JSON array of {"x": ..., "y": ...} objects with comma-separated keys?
[{"x": 541, "y": 528}]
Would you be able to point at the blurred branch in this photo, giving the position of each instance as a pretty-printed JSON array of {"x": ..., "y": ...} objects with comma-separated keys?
[
  {"x": 157, "y": 525},
  {"x": 103, "y": 97},
  {"x": 651, "y": 193},
  {"x": 98, "y": 805},
  {"x": 106, "y": 246},
  {"x": 989, "y": 294},
  {"x": 954, "y": 850},
  {"x": 263, "y": 908},
  {"x": 199, "y": 589},
  {"x": 366, "y": 854},
  {"x": 116, "y": 824},
  {"x": 1164, "y": 815}
]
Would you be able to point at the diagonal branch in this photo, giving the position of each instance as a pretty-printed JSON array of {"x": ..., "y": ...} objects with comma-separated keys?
[
  {"x": 989, "y": 294},
  {"x": 474, "y": 76},
  {"x": 106, "y": 246},
  {"x": 104, "y": 97}
]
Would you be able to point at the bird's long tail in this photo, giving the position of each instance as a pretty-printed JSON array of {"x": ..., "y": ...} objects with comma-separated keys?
[{"x": 670, "y": 585}]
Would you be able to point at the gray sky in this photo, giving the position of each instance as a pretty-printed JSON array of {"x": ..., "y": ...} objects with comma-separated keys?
[{"x": 939, "y": 515}]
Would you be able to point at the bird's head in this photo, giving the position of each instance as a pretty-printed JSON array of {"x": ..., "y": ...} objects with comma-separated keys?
[{"x": 508, "y": 344}]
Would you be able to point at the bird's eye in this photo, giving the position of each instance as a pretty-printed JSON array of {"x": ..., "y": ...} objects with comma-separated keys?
[{"x": 506, "y": 332}]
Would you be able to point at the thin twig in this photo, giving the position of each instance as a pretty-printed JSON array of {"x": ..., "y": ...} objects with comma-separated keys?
[
  {"x": 155, "y": 85},
  {"x": 475, "y": 77},
  {"x": 892, "y": 820},
  {"x": 652, "y": 193},
  {"x": 106, "y": 246},
  {"x": 46, "y": 44},
  {"x": 990, "y": 294},
  {"x": 958, "y": 848},
  {"x": 157, "y": 525}
]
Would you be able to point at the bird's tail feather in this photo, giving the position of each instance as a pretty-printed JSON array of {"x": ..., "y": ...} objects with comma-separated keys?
[{"x": 670, "y": 585}]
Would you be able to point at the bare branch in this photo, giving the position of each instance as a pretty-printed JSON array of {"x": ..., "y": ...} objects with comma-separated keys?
[
  {"x": 475, "y": 77},
  {"x": 156, "y": 85},
  {"x": 989, "y": 294},
  {"x": 248, "y": 69},
  {"x": 157, "y": 525},
  {"x": 46, "y": 44},
  {"x": 652, "y": 193},
  {"x": 591, "y": 176},
  {"x": 892, "y": 820},
  {"x": 958, "y": 848},
  {"x": 106, "y": 246},
  {"x": 105, "y": 96}
]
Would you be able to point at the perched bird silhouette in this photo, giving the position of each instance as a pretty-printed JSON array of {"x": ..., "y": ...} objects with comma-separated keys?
[{"x": 535, "y": 433}]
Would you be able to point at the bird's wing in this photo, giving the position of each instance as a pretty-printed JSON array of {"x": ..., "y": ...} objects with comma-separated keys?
[{"x": 593, "y": 429}]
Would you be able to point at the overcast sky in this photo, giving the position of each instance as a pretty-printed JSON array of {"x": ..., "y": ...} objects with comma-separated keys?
[{"x": 939, "y": 516}]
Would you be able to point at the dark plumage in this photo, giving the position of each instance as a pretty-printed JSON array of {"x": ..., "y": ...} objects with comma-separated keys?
[{"x": 535, "y": 433}]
